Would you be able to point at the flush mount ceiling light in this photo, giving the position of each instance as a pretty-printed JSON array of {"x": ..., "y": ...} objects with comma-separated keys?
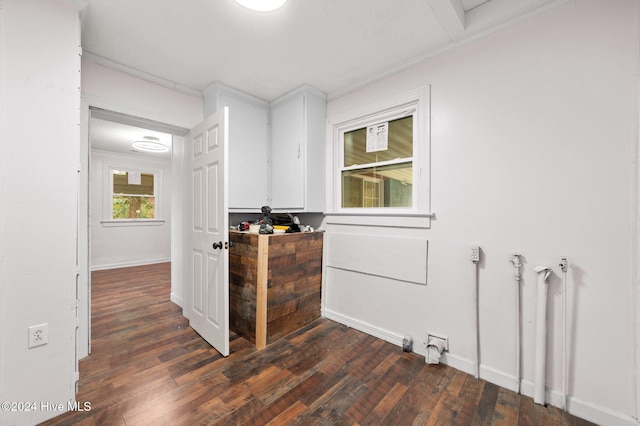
[
  {"x": 150, "y": 144},
  {"x": 262, "y": 5}
]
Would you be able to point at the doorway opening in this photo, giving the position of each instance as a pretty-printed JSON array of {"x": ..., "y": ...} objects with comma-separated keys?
[{"x": 131, "y": 208}]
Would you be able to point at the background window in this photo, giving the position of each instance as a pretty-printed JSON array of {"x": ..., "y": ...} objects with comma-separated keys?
[{"x": 133, "y": 195}]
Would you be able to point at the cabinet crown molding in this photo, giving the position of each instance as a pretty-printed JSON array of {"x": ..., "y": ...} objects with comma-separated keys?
[{"x": 305, "y": 89}]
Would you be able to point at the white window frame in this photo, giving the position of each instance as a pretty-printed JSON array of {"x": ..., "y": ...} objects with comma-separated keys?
[
  {"x": 107, "y": 200},
  {"x": 416, "y": 103}
]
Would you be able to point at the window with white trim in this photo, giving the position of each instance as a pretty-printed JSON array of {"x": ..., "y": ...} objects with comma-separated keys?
[
  {"x": 381, "y": 158},
  {"x": 131, "y": 195}
]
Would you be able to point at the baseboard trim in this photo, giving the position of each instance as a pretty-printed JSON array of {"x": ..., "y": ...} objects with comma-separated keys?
[
  {"x": 177, "y": 300},
  {"x": 370, "y": 329},
  {"x": 128, "y": 264},
  {"x": 575, "y": 406}
]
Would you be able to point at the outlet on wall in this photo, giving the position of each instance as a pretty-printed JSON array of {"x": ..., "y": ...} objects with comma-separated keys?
[
  {"x": 38, "y": 335},
  {"x": 475, "y": 254}
]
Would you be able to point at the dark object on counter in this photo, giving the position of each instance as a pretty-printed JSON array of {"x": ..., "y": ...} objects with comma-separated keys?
[
  {"x": 281, "y": 219},
  {"x": 293, "y": 228},
  {"x": 269, "y": 220},
  {"x": 287, "y": 219},
  {"x": 266, "y": 226}
]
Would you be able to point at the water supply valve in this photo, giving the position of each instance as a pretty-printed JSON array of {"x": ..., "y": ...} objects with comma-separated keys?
[
  {"x": 515, "y": 259},
  {"x": 564, "y": 264}
]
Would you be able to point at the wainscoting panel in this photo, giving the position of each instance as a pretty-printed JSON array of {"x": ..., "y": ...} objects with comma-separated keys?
[{"x": 398, "y": 258}]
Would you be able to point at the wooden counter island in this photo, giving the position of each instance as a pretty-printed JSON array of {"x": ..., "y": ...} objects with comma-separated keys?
[{"x": 274, "y": 283}]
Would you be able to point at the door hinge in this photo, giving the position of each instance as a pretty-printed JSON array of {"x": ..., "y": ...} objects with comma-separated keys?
[{"x": 76, "y": 319}]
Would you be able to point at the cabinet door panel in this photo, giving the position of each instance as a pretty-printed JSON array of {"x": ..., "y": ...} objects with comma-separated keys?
[
  {"x": 287, "y": 154},
  {"x": 248, "y": 129}
]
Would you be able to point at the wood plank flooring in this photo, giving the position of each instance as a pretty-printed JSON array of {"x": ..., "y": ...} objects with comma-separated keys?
[{"x": 148, "y": 367}]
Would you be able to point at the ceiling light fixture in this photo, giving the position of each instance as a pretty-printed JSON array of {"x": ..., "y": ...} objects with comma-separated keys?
[
  {"x": 262, "y": 5},
  {"x": 150, "y": 144}
]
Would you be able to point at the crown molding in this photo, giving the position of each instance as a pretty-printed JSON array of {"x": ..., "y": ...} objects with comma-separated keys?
[{"x": 140, "y": 74}]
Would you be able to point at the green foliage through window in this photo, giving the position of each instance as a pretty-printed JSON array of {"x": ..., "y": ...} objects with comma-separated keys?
[{"x": 133, "y": 207}]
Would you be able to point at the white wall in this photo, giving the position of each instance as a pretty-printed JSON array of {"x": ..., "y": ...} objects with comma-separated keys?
[
  {"x": 118, "y": 91},
  {"x": 533, "y": 135},
  {"x": 39, "y": 147},
  {"x": 128, "y": 245}
]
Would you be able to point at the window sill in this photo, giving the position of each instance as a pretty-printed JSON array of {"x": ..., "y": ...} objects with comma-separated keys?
[
  {"x": 392, "y": 220},
  {"x": 132, "y": 222}
]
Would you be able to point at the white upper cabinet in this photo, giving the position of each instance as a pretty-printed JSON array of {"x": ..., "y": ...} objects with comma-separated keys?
[
  {"x": 276, "y": 150},
  {"x": 248, "y": 145},
  {"x": 298, "y": 123}
]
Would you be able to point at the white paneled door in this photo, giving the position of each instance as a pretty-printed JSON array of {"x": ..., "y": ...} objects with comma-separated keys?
[{"x": 207, "y": 290}]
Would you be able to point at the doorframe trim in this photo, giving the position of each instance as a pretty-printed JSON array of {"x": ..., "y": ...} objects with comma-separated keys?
[{"x": 121, "y": 114}]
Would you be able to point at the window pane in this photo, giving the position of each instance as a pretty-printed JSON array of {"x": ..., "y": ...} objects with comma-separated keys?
[
  {"x": 121, "y": 184},
  {"x": 133, "y": 207},
  {"x": 400, "y": 144},
  {"x": 133, "y": 196},
  {"x": 388, "y": 186}
]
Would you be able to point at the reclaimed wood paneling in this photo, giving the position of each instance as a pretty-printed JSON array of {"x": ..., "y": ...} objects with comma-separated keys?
[
  {"x": 275, "y": 284},
  {"x": 295, "y": 281},
  {"x": 243, "y": 284}
]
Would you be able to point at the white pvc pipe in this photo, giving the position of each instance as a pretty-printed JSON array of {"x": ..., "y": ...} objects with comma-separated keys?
[
  {"x": 541, "y": 335},
  {"x": 516, "y": 264},
  {"x": 563, "y": 265}
]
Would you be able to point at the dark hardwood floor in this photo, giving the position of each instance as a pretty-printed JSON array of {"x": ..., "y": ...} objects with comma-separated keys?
[{"x": 148, "y": 367}]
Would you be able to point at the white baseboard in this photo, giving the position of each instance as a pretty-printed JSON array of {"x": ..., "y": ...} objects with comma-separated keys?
[
  {"x": 575, "y": 406},
  {"x": 128, "y": 264},
  {"x": 177, "y": 300},
  {"x": 370, "y": 329}
]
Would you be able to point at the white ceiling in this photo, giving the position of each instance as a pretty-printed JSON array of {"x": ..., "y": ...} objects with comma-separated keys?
[
  {"x": 330, "y": 44},
  {"x": 333, "y": 45},
  {"x": 117, "y": 137}
]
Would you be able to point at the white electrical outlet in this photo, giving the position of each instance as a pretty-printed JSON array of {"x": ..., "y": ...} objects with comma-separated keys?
[
  {"x": 38, "y": 335},
  {"x": 475, "y": 254}
]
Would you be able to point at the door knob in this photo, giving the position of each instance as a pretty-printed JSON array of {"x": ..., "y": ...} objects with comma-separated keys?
[
  {"x": 217, "y": 245},
  {"x": 229, "y": 244}
]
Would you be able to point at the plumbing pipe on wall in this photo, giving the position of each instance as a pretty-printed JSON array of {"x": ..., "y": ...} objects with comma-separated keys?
[
  {"x": 515, "y": 259},
  {"x": 475, "y": 258},
  {"x": 541, "y": 334},
  {"x": 563, "y": 266}
]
